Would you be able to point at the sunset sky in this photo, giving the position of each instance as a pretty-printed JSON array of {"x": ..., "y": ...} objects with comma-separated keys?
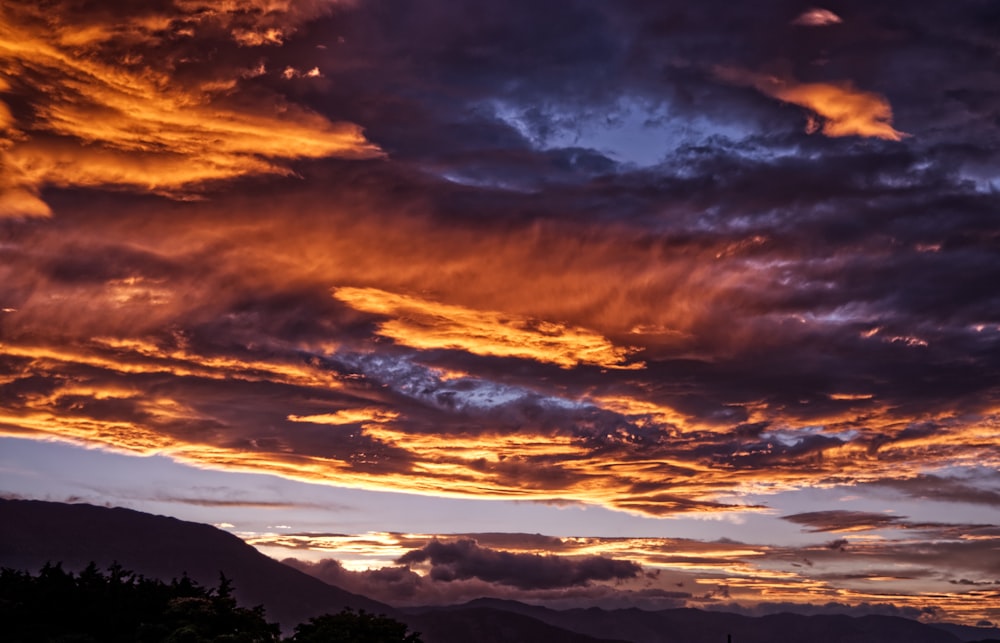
[{"x": 574, "y": 302}]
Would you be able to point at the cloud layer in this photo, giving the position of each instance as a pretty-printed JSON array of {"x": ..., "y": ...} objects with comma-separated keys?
[
  {"x": 465, "y": 559},
  {"x": 133, "y": 103},
  {"x": 665, "y": 259},
  {"x": 856, "y": 575}
]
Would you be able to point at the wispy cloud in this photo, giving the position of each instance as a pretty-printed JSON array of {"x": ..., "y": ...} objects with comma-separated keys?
[
  {"x": 429, "y": 325},
  {"x": 108, "y": 109}
]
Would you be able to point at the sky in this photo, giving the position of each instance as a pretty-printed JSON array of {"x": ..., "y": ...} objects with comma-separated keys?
[{"x": 573, "y": 302}]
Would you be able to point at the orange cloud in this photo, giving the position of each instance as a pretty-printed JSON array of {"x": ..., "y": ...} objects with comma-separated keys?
[
  {"x": 676, "y": 471},
  {"x": 426, "y": 324},
  {"x": 110, "y": 119},
  {"x": 647, "y": 452},
  {"x": 845, "y": 110},
  {"x": 653, "y": 456},
  {"x": 347, "y": 416},
  {"x": 841, "y": 108}
]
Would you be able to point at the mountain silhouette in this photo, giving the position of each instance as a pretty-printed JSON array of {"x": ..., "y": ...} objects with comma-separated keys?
[
  {"x": 971, "y": 634},
  {"x": 486, "y": 625},
  {"x": 697, "y": 626},
  {"x": 33, "y": 533}
]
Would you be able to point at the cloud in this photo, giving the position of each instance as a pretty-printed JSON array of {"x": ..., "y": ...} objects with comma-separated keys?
[
  {"x": 872, "y": 576},
  {"x": 564, "y": 190},
  {"x": 395, "y": 585},
  {"x": 217, "y": 502},
  {"x": 465, "y": 559},
  {"x": 347, "y": 416},
  {"x": 841, "y": 521},
  {"x": 944, "y": 489},
  {"x": 460, "y": 569},
  {"x": 839, "y": 109},
  {"x": 109, "y": 108},
  {"x": 429, "y": 325},
  {"x": 401, "y": 586},
  {"x": 817, "y": 18}
]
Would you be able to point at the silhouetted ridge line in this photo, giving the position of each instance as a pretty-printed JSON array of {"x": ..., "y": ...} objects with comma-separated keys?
[{"x": 33, "y": 533}]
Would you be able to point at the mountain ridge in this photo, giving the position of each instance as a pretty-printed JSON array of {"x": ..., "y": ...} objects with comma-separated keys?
[
  {"x": 690, "y": 625},
  {"x": 33, "y": 532},
  {"x": 36, "y": 532}
]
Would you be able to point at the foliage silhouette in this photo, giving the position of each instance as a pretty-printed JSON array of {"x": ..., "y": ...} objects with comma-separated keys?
[
  {"x": 349, "y": 626},
  {"x": 120, "y": 606}
]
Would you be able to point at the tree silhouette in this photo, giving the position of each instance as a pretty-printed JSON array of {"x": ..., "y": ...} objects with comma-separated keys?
[
  {"x": 120, "y": 606},
  {"x": 349, "y": 626}
]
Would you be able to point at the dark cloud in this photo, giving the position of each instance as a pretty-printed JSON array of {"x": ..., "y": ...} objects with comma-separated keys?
[
  {"x": 399, "y": 585},
  {"x": 943, "y": 489},
  {"x": 465, "y": 559},
  {"x": 395, "y": 585},
  {"x": 842, "y": 521},
  {"x": 950, "y": 560},
  {"x": 845, "y": 521}
]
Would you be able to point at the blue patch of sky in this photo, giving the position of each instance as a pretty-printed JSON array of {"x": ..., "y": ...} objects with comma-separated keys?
[{"x": 633, "y": 132}]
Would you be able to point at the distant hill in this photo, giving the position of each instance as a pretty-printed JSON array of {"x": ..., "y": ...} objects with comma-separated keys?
[
  {"x": 970, "y": 634},
  {"x": 697, "y": 626},
  {"x": 34, "y": 532},
  {"x": 485, "y": 625}
]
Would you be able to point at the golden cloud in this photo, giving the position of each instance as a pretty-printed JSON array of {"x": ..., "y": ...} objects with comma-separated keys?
[
  {"x": 347, "y": 416},
  {"x": 841, "y": 108},
  {"x": 104, "y": 118},
  {"x": 659, "y": 477},
  {"x": 427, "y": 325},
  {"x": 653, "y": 458}
]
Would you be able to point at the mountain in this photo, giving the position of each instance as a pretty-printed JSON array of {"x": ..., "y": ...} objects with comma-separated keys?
[
  {"x": 970, "y": 634},
  {"x": 34, "y": 532},
  {"x": 485, "y": 625},
  {"x": 697, "y": 626}
]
